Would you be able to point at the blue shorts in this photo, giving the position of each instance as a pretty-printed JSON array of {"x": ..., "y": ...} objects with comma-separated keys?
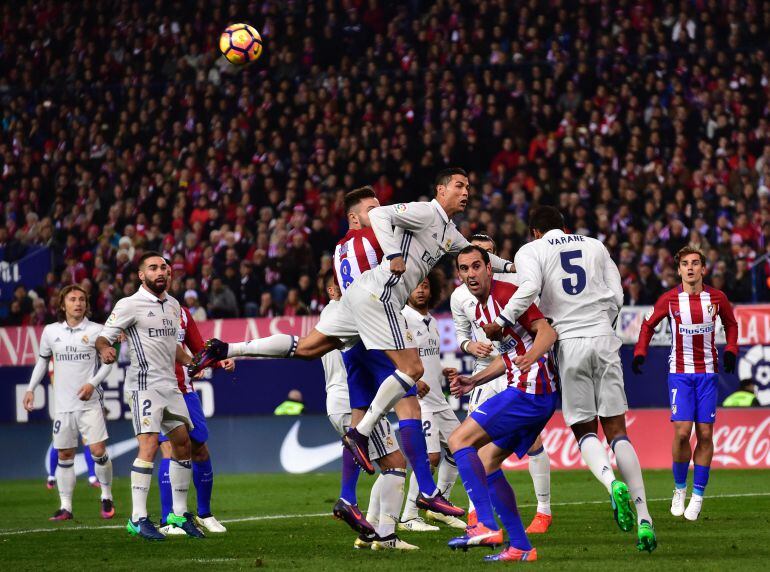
[
  {"x": 514, "y": 419},
  {"x": 367, "y": 369},
  {"x": 693, "y": 396},
  {"x": 200, "y": 433}
]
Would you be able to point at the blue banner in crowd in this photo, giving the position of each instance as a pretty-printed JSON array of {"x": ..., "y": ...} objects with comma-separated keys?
[
  {"x": 258, "y": 386},
  {"x": 30, "y": 271}
]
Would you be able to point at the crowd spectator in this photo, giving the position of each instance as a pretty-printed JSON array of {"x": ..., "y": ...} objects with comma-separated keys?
[{"x": 123, "y": 130}]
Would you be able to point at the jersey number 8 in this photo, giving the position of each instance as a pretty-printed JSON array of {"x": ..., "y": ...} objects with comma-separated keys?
[{"x": 576, "y": 283}]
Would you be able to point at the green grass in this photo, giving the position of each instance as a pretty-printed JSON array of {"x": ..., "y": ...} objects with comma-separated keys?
[{"x": 732, "y": 531}]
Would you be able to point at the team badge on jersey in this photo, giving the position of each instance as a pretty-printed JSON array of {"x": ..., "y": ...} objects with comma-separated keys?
[
  {"x": 409, "y": 337},
  {"x": 712, "y": 310},
  {"x": 400, "y": 208},
  {"x": 112, "y": 318},
  {"x": 84, "y": 339}
]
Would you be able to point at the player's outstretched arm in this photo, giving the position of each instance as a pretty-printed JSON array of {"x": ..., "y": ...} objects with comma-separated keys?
[
  {"x": 461, "y": 384},
  {"x": 499, "y": 265},
  {"x": 122, "y": 317},
  {"x": 545, "y": 337}
]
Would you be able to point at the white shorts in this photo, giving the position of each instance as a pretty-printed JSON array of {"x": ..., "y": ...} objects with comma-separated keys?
[
  {"x": 360, "y": 313},
  {"x": 382, "y": 442},
  {"x": 483, "y": 392},
  {"x": 591, "y": 377},
  {"x": 437, "y": 426},
  {"x": 87, "y": 422},
  {"x": 159, "y": 410}
]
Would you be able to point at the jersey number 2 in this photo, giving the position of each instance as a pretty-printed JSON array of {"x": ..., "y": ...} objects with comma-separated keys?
[{"x": 576, "y": 283}]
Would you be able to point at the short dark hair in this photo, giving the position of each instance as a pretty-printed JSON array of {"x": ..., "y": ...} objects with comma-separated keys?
[
  {"x": 150, "y": 254},
  {"x": 472, "y": 248},
  {"x": 354, "y": 197},
  {"x": 546, "y": 218},
  {"x": 685, "y": 250},
  {"x": 481, "y": 237},
  {"x": 445, "y": 175}
]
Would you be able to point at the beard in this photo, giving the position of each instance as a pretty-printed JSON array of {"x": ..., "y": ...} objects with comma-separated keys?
[{"x": 155, "y": 288}]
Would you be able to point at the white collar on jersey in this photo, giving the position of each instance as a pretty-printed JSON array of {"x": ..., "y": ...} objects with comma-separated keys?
[
  {"x": 553, "y": 232},
  {"x": 150, "y": 296},
  {"x": 81, "y": 326},
  {"x": 441, "y": 211},
  {"x": 416, "y": 314}
]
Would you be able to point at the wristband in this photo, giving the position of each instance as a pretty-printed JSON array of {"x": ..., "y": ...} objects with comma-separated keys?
[
  {"x": 464, "y": 345},
  {"x": 392, "y": 256}
]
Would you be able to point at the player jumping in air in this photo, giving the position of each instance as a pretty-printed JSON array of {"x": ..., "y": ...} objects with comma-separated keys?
[
  {"x": 378, "y": 529},
  {"x": 438, "y": 418},
  {"x": 413, "y": 237},
  {"x": 508, "y": 422},
  {"x": 472, "y": 340},
  {"x": 579, "y": 288},
  {"x": 202, "y": 471},
  {"x": 77, "y": 396},
  {"x": 692, "y": 310},
  {"x": 150, "y": 319}
]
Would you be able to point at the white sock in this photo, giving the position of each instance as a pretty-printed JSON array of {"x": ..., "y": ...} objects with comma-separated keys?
[
  {"x": 179, "y": 474},
  {"x": 103, "y": 469},
  {"x": 540, "y": 471},
  {"x": 392, "y": 389},
  {"x": 391, "y": 499},
  {"x": 278, "y": 345},
  {"x": 141, "y": 477},
  {"x": 447, "y": 475},
  {"x": 410, "y": 506},
  {"x": 628, "y": 464},
  {"x": 595, "y": 456},
  {"x": 65, "y": 482},
  {"x": 373, "y": 510}
]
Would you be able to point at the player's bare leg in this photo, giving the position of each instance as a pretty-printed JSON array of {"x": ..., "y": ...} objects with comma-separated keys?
[
  {"x": 65, "y": 482},
  {"x": 103, "y": 468},
  {"x": 312, "y": 346},
  {"x": 540, "y": 470},
  {"x": 681, "y": 454},
  {"x": 704, "y": 451}
]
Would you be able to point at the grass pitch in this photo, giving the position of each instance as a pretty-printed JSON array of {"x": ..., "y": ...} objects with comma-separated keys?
[{"x": 283, "y": 522}]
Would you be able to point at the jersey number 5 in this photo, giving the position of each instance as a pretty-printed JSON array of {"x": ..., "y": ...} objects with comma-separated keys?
[{"x": 576, "y": 283}]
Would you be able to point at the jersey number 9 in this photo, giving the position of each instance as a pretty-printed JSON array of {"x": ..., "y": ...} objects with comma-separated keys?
[{"x": 576, "y": 283}]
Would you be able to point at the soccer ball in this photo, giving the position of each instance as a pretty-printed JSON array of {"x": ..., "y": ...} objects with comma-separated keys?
[{"x": 241, "y": 44}]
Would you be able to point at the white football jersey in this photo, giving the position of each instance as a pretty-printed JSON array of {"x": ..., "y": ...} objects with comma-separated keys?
[
  {"x": 337, "y": 397},
  {"x": 151, "y": 326},
  {"x": 422, "y": 233},
  {"x": 463, "y": 305},
  {"x": 578, "y": 283},
  {"x": 425, "y": 332},
  {"x": 75, "y": 360}
]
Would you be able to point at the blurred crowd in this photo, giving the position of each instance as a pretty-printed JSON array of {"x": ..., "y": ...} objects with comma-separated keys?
[{"x": 124, "y": 130}]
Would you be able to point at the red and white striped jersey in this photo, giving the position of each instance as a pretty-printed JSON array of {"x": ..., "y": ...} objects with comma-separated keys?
[
  {"x": 357, "y": 252},
  {"x": 188, "y": 336},
  {"x": 517, "y": 340},
  {"x": 692, "y": 319}
]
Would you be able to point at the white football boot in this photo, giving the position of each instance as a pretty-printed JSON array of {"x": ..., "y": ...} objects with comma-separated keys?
[
  {"x": 210, "y": 524},
  {"x": 677, "y": 502},
  {"x": 693, "y": 509},
  {"x": 451, "y": 521},
  {"x": 417, "y": 524}
]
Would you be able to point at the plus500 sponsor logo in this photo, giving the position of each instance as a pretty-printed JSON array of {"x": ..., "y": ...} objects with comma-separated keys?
[{"x": 696, "y": 329}]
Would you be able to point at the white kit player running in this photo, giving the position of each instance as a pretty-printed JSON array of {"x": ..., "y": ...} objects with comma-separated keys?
[
  {"x": 150, "y": 320},
  {"x": 438, "y": 417},
  {"x": 377, "y": 530},
  {"x": 472, "y": 340},
  {"x": 413, "y": 237},
  {"x": 77, "y": 373},
  {"x": 580, "y": 290}
]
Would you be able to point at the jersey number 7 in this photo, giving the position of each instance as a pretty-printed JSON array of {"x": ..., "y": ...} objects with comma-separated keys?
[{"x": 576, "y": 272}]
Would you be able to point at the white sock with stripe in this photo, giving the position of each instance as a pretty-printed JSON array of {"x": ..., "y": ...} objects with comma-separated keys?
[
  {"x": 278, "y": 346},
  {"x": 141, "y": 477},
  {"x": 447, "y": 474},
  {"x": 373, "y": 510},
  {"x": 391, "y": 499},
  {"x": 410, "y": 506},
  {"x": 103, "y": 469},
  {"x": 179, "y": 473},
  {"x": 595, "y": 456},
  {"x": 629, "y": 466},
  {"x": 540, "y": 471},
  {"x": 65, "y": 482},
  {"x": 392, "y": 389}
]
